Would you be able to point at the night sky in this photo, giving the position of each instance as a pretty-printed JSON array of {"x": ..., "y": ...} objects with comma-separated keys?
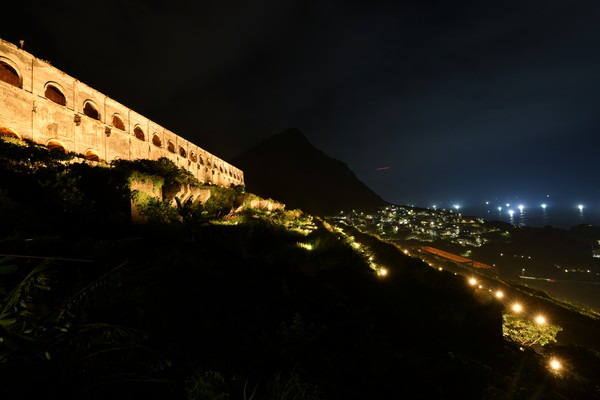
[{"x": 464, "y": 101}]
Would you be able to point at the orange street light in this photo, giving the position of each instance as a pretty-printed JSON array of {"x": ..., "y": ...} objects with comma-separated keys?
[
  {"x": 517, "y": 307},
  {"x": 555, "y": 365}
]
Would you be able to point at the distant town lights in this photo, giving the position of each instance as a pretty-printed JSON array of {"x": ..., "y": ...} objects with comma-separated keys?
[
  {"x": 580, "y": 207},
  {"x": 521, "y": 207},
  {"x": 511, "y": 212},
  {"x": 544, "y": 206},
  {"x": 457, "y": 206}
]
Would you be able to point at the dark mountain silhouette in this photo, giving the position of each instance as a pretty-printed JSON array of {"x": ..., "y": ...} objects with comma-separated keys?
[{"x": 288, "y": 168}]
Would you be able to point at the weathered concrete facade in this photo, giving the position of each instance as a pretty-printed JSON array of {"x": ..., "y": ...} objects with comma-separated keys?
[{"x": 43, "y": 104}]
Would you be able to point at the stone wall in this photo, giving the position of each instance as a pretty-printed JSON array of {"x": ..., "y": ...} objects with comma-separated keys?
[
  {"x": 266, "y": 205},
  {"x": 43, "y": 104}
]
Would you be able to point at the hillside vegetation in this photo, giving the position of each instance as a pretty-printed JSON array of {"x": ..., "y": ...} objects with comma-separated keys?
[{"x": 219, "y": 301}]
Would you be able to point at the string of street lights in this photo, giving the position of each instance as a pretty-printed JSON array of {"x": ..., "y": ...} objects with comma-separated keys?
[
  {"x": 554, "y": 364},
  {"x": 510, "y": 211}
]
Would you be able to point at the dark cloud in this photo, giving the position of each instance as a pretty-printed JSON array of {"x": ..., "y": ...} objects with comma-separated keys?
[{"x": 468, "y": 97}]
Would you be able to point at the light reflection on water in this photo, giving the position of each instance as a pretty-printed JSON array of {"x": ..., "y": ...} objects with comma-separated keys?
[{"x": 540, "y": 217}]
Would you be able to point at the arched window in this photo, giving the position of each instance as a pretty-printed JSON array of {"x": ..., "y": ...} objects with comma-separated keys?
[
  {"x": 156, "y": 141},
  {"x": 171, "y": 147},
  {"x": 118, "y": 122},
  {"x": 182, "y": 152},
  {"x": 90, "y": 110},
  {"x": 92, "y": 155},
  {"x": 53, "y": 93},
  {"x": 7, "y": 132},
  {"x": 56, "y": 145},
  {"x": 193, "y": 156},
  {"x": 9, "y": 75},
  {"x": 201, "y": 160},
  {"x": 139, "y": 133}
]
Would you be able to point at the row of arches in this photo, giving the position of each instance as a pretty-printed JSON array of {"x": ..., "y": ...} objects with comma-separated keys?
[
  {"x": 192, "y": 156},
  {"x": 54, "y": 92},
  {"x": 94, "y": 155},
  {"x": 52, "y": 144},
  {"x": 90, "y": 154}
]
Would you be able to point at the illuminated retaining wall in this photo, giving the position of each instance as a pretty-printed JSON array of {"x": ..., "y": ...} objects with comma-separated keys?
[{"x": 43, "y": 104}]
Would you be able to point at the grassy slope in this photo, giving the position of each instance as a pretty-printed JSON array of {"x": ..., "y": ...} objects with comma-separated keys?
[{"x": 206, "y": 308}]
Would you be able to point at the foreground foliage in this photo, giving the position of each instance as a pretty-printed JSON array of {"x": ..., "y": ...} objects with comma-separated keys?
[
  {"x": 527, "y": 332},
  {"x": 247, "y": 304}
]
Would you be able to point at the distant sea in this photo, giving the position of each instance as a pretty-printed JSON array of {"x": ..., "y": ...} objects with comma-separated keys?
[{"x": 557, "y": 217}]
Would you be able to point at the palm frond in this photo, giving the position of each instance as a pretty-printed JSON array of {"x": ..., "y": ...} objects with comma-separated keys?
[{"x": 20, "y": 300}]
